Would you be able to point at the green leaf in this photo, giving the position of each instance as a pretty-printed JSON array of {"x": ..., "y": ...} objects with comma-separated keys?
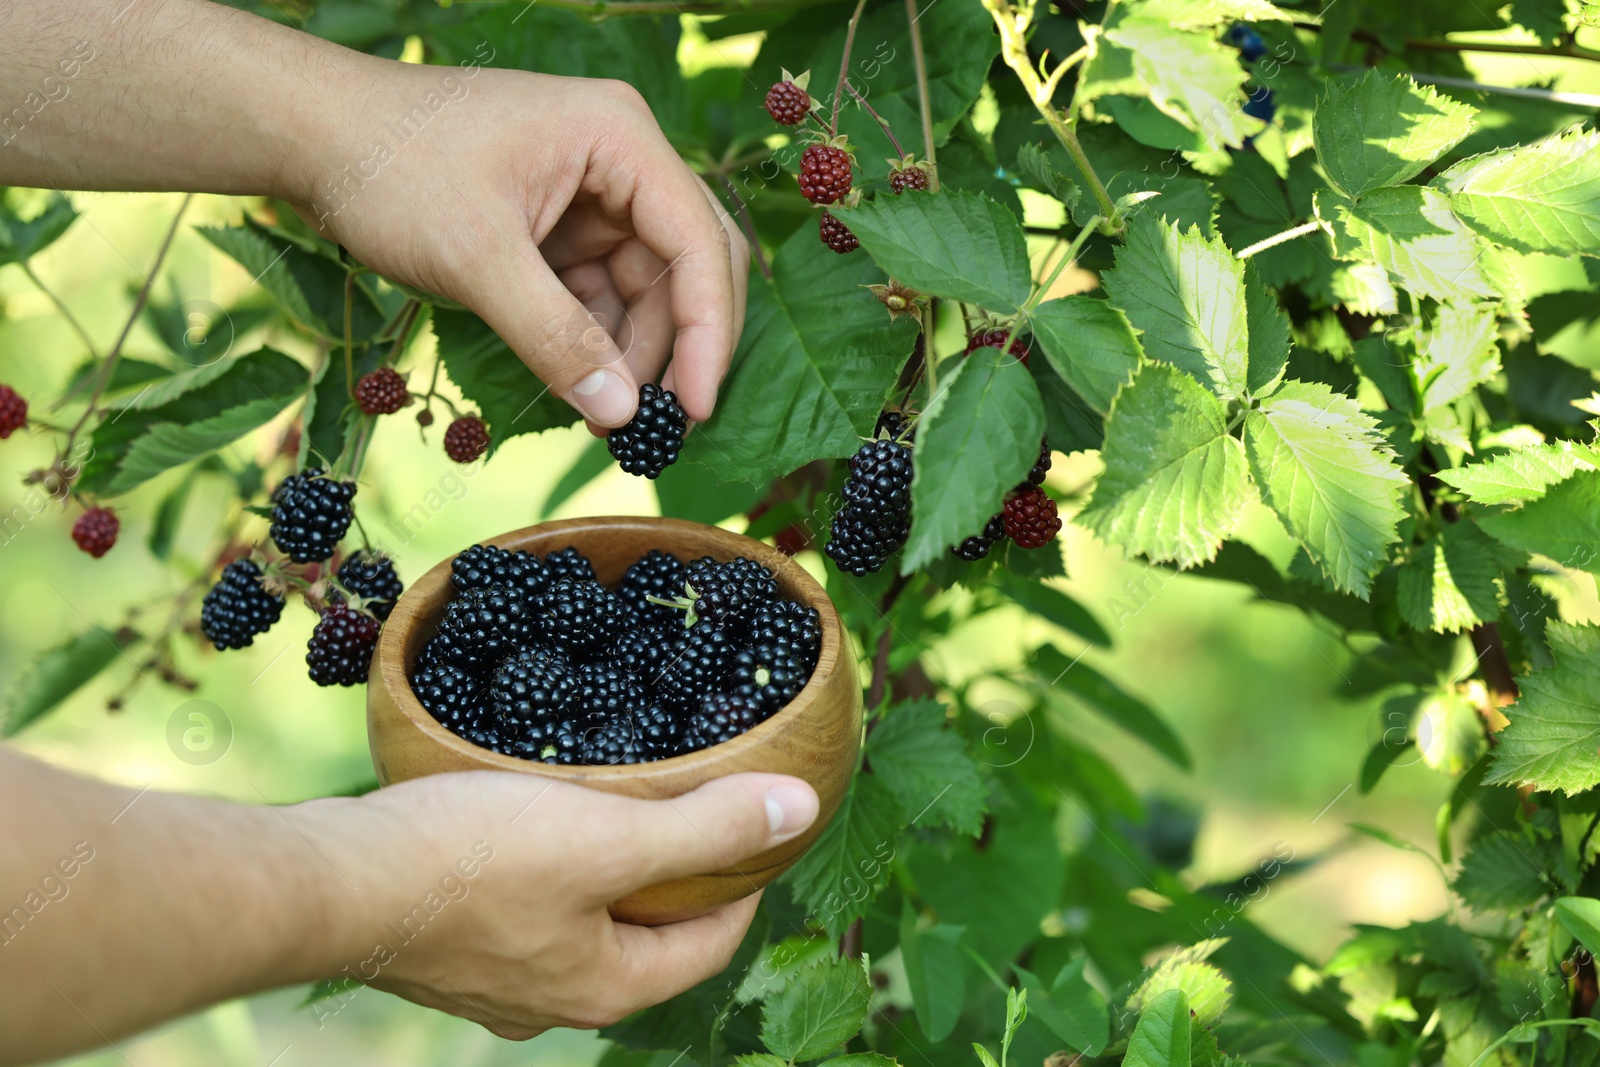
[
  {"x": 1174, "y": 482},
  {"x": 926, "y": 766},
  {"x": 1452, "y": 582},
  {"x": 1555, "y": 724},
  {"x": 1069, "y": 420},
  {"x": 840, "y": 874},
  {"x": 1076, "y": 677},
  {"x": 510, "y": 399},
  {"x": 820, "y": 1008},
  {"x": 165, "y": 445},
  {"x": 1383, "y": 129},
  {"x": 1090, "y": 344},
  {"x": 1457, "y": 352},
  {"x": 1520, "y": 476},
  {"x": 1323, "y": 467},
  {"x": 813, "y": 367},
  {"x": 20, "y": 241},
  {"x": 58, "y": 673},
  {"x": 985, "y": 1057},
  {"x": 328, "y": 988},
  {"x": 1054, "y": 606},
  {"x": 953, "y": 244},
  {"x": 1504, "y": 871},
  {"x": 164, "y": 526},
  {"x": 1411, "y": 232},
  {"x": 1161, "y": 1039},
  {"x": 1449, "y": 732},
  {"x": 1207, "y": 990},
  {"x": 978, "y": 436},
  {"x": 1033, "y": 164},
  {"x": 1564, "y": 524},
  {"x": 594, "y": 460},
  {"x": 1071, "y": 1008},
  {"x": 1185, "y": 294},
  {"x": 1542, "y": 197},
  {"x": 760, "y": 1059},
  {"x": 1581, "y": 917},
  {"x": 267, "y": 262},
  {"x": 1268, "y": 330},
  {"x": 1202, "y": 14},
  {"x": 862, "y": 1059},
  {"x": 936, "y": 973}
]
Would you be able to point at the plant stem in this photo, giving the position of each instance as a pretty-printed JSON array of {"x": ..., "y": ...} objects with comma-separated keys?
[
  {"x": 1493, "y": 664},
  {"x": 1067, "y": 257},
  {"x": 929, "y": 357},
  {"x": 410, "y": 312},
  {"x": 920, "y": 63},
  {"x": 882, "y": 125},
  {"x": 110, "y": 367},
  {"x": 748, "y": 226},
  {"x": 1279, "y": 238},
  {"x": 349, "y": 357},
  {"x": 844, "y": 64},
  {"x": 66, "y": 312}
]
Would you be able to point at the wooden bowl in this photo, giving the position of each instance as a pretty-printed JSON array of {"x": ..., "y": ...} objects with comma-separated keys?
[{"x": 816, "y": 737}]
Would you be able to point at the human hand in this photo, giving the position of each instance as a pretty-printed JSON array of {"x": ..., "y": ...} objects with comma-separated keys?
[
  {"x": 527, "y": 944},
  {"x": 550, "y": 206}
]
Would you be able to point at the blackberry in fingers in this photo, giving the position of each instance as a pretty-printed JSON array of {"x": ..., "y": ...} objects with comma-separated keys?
[
  {"x": 656, "y": 574},
  {"x": 372, "y": 578},
  {"x": 238, "y": 607},
  {"x": 651, "y": 441},
  {"x": 535, "y": 685},
  {"x": 977, "y": 547},
  {"x": 569, "y": 563},
  {"x": 340, "y": 649},
  {"x": 310, "y": 515},
  {"x": 578, "y": 616}
]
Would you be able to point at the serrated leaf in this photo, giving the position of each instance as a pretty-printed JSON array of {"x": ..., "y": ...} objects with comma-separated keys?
[
  {"x": 1268, "y": 333},
  {"x": 1071, "y": 1008},
  {"x": 1449, "y": 733},
  {"x": 1553, "y": 741},
  {"x": 1504, "y": 871},
  {"x": 58, "y": 673},
  {"x": 820, "y": 1008},
  {"x": 1090, "y": 344},
  {"x": 1161, "y": 1038},
  {"x": 862, "y": 1059},
  {"x": 1455, "y": 353},
  {"x": 1199, "y": 14},
  {"x": 165, "y": 445},
  {"x": 839, "y": 876},
  {"x": 936, "y": 973},
  {"x": 266, "y": 263},
  {"x": 954, "y": 244},
  {"x": 1581, "y": 918},
  {"x": 1174, "y": 482},
  {"x": 1542, "y": 197},
  {"x": 1033, "y": 163},
  {"x": 1323, "y": 467},
  {"x": 1054, "y": 606},
  {"x": 926, "y": 766},
  {"x": 760, "y": 1059},
  {"x": 1411, "y": 232},
  {"x": 1100, "y": 693},
  {"x": 510, "y": 399},
  {"x": 1563, "y": 524},
  {"x": 20, "y": 241},
  {"x": 1520, "y": 476},
  {"x": 1208, "y": 990},
  {"x": 1451, "y": 583},
  {"x": 978, "y": 436},
  {"x": 812, "y": 368},
  {"x": 1185, "y": 294},
  {"x": 1383, "y": 129}
]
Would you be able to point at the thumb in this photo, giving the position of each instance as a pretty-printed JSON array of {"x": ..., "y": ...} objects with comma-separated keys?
[
  {"x": 551, "y": 331},
  {"x": 716, "y": 826}
]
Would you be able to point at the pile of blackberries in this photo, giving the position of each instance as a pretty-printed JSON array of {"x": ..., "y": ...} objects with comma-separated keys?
[{"x": 535, "y": 658}]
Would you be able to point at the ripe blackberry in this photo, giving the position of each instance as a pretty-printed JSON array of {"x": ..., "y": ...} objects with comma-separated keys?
[
  {"x": 788, "y": 103},
  {"x": 975, "y": 548},
  {"x": 569, "y": 563},
  {"x": 997, "y": 338},
  {"x": 652, "y": 439},
  {"x": 862, "y": 544},
  {"x": 310, "y": 514},
  {"x": 880, "y": 478},
  {"x": 466, "y": 438},
  {"x": 836, "y": 235},
  {"x": 645, "y": 652},
  {"x": 238, "y": 607},
  {"x": 451, "y": 695},
  {"x": 700, "y": 666},
  {"x": 657, "y": 731},
  {"x": 768, "y": 676},
  {"x": 1041, "y": 466},
  {"x": 824, "y": 173},
  {"x": 372, "y": 578},
  {"x": 535, "y": 685},
  {"x": 893, "y": 425},
  {"x": 13, "y": 412},
  {"x": 1030, "y": 518},
  {"x": 722, "y": 717},
  {"x": 577, "y": 616},
  {"x": 903, "y": 178},
  {"x": 655, "y": 574},
  {"x": 481, "y": 565},
  {"x": 606, "y": 690},
  {"x": 480, "y": 628},
  {"x": 786, "y": 622},
  {"x": 724, "y": 592},
  {"x": 340, "y": 649},
  {"x": 614, "y": 741},
  {"x": 96, "y": 531},
  {"x": 382, "y": 392}
]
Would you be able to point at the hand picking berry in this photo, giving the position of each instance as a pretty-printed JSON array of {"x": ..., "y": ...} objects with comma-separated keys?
[
  {"x": 652, "y": 439},
  {"x": 96, "y": 531},
  {"x": 310, "y": 514},
  {"x": 382, "y": 392}
]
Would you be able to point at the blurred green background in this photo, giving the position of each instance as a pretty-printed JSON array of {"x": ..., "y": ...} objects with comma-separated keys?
[{"x": 1254, "y": 689}]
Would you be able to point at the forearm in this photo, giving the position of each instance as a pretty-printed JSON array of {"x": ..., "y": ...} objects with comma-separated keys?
[
  {"x": 164, "y": 95},
  {"x": 119, "y": 908}
]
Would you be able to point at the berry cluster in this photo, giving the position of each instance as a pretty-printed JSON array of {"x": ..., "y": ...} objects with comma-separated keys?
[
  {"x": 651, "y": 441},
  {"x": 1028, "y": 518},
  {"x": 535, "y": 658},
  {"x": 875, "y": 520},
  {"x": 836, "y": 235}
]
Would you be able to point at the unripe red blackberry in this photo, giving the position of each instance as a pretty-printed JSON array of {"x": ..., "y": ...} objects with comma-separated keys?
[
  {"x": 1030, "y": 518},
  {"x": 466, "y": 439},
  {"x": 13, "y": 412},
  {"x": 382, "y": 392},
  {"x": 788, "y": 103},
  {"x": 836, "y": 235},
  {"x": 424, "y": 418},
  {"x": 995, "y": 339},
  {"x": 903, "y": 178},
  {"x": 824, "y": 173},
  {"x": 340, "y": 649},
  {"x": 96, "y": 531}
]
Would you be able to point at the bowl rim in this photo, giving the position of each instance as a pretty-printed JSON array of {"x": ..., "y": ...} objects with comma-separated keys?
[{"x": 391, "y": 671}]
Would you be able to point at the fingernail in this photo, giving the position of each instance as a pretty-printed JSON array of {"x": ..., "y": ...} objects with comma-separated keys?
[
  {"x": 790, "y": 809},
  {"x": 605, "y": 397}
]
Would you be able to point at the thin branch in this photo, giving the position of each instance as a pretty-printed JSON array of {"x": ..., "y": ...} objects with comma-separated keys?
[
  {"x": 880, "y": 662},
  {"x": 844, "y": 64},
  {"x": 349, "y": 353},
  {"x": 1278, "y": 238},
  {"x": 748, "y": 226},
  {"x": 66, "y": 312},
  {"x": 411, "y": 313},
  {"x": 882, "y": 125},
  {"x": 920, "y": 63},
  {"x": 1067, "y": 257}
]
